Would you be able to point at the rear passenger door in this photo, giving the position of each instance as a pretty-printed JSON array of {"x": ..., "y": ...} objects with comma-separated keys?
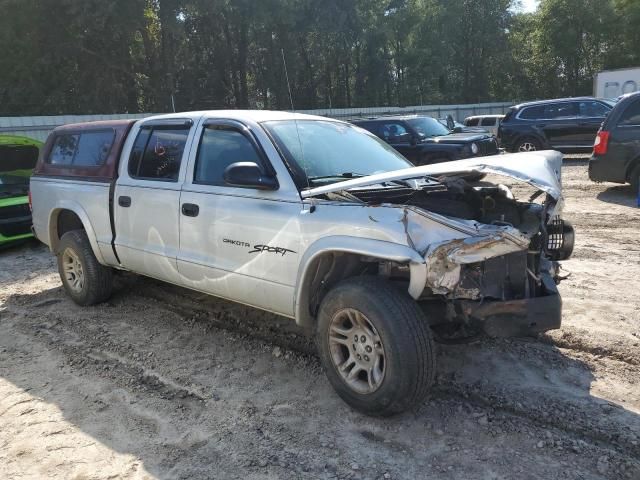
[
  {"x": 147, "y": 199},
  {"x": 560, "y": 124}
]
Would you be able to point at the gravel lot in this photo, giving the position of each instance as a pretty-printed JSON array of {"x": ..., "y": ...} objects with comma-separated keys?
[{"x": 162, "y": 382}]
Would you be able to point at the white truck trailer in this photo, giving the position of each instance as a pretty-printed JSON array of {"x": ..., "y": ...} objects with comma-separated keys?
[{"x": 613, "y": 83}]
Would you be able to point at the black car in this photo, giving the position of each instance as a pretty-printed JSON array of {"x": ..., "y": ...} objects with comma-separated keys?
[
  {"x": 566, "y": 124},
  {"x": 424, "y": 140},
  {"x": 616, "y": 150}
]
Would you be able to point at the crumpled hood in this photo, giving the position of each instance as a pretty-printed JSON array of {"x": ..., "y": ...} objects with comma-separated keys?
[{"x": 540, "y": 169}]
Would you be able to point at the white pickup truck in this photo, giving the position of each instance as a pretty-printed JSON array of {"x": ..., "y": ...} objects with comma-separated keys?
[{"x": 314, "y": 219}]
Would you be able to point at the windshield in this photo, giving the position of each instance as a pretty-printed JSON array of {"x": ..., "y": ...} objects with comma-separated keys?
[
  {"x": 16, "y": 165},
  {"x": 332, "y": 151},
  {"x": 428, "y": 127}
]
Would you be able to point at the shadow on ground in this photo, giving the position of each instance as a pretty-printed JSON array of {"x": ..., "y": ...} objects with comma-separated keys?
[
  {"x": 619, "y": 195},
  {"x": 193, "y": 387}
]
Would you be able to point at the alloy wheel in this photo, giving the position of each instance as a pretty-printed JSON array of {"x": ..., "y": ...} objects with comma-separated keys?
[
  {"x": 527, "y": 147},
  {"x": 356, "y": 350},
  {"x": 73, "y": 271}
]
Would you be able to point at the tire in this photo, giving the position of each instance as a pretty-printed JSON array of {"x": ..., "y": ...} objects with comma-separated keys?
[
  {"x": 634, "y": 179},
  {"x": 527, "y": 144},
  {"x": 86, "y": 281},
  {"x": 400, "y": 335}
]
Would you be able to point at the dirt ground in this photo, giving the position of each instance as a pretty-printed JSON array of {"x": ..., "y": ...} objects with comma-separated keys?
[{"x": 161, "y": 382}]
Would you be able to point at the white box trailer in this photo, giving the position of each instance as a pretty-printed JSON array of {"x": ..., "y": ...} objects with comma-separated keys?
[{"x": 613, "y": 83}]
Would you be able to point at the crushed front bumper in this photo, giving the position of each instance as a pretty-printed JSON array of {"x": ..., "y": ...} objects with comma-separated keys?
[{"x": 517, "y": 318}]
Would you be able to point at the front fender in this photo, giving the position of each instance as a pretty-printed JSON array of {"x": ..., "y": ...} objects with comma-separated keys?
[
  {"x": 381, "y": 249},
  {"x": 75, "y": 207}
]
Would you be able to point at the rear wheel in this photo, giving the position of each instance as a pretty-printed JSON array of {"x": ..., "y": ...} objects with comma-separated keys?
[
  {"x": 86, "y": 281},
  {"x": 528, "y": 144},
  {"x": 376, "y": 346}
]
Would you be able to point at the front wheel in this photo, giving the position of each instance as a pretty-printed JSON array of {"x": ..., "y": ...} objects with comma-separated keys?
[
  {"x": 376, "y": 346},
  {"x": 86, "y": 281}
]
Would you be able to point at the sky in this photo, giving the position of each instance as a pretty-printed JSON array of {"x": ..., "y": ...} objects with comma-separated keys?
[{"x": 529, "y": 5}]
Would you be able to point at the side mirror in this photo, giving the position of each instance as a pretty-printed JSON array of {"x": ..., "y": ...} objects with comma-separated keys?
[
  {"x": 249, "y": 174},
  {"x": 456, "y": 129},
  {"x": 450, "y": 122}
]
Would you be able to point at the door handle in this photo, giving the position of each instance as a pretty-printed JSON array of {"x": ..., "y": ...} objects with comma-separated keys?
[
  {"x": 190, "y": 209},
  {"x": 541, "y": 125},
  {"x": 124, "y": 201}
]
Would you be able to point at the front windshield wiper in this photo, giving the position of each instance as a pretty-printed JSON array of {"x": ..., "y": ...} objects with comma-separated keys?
[{"x": 336, "y": 175}]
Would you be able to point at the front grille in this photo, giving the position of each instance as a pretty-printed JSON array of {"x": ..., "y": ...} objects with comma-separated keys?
[
  {"x": 12, "y": 229},
  {"x": 14, "y": 211},
  {"x": 487, "y": 147}
]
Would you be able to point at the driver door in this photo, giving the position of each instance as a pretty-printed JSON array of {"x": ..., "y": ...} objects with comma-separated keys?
[{"x": 239, "y": 243}]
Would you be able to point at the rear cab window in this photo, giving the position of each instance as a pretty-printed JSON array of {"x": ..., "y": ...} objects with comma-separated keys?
[
  {"x": 488, "y": 122},
  {"x": 471, "y": 122}
]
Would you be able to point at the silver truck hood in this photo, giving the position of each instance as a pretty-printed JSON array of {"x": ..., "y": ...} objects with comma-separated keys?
[{"x": 539, "y": 169}]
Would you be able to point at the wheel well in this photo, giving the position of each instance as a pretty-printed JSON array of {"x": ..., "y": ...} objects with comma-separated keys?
[
  {"x": 526, "y": 136},
  {"x": 330, "y": 268},
  {"x": 66, "y": 221},
  {"x": 633, "y": 164}
]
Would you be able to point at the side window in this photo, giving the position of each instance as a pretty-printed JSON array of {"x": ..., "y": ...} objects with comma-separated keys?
[
  {"x": 93, "y": 148},
  {"x": 395, "y": 132},
  {"x": 532, "y": 113},
  {"x": 560, "y": 111},
  {"x": 157, "y": 153},
  {"x": 488, "y": 122},
  {"x": 86, "y": 149},
  {"x": 64, "y": 149},
  {"x": 631, "y": 116},
  {"x": 471, "y": 122},
  {"x": 219, "y": 148},
  {"x": 590, "y": 109}
]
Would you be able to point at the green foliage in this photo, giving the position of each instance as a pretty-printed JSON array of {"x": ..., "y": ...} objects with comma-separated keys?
[{"x": 93, "y": 56}]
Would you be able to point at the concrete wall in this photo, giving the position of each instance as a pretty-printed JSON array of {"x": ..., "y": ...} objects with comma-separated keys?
[{"x": 39, "y": 127}]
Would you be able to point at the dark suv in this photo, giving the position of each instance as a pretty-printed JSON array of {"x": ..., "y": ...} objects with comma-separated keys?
[
  {"x": 566, "y": 124},
  {"x": 616, "y": 150},
  {"x": 424, "y": 140}
]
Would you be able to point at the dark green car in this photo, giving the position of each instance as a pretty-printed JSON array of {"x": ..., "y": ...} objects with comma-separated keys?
[{"x": 18, "y": 156}]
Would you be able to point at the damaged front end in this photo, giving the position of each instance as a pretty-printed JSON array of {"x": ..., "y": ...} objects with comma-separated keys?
[{"x": 497, "y": 268}]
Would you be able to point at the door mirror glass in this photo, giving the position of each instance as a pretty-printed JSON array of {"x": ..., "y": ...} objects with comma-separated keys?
[
  {"x": 248, "y": 174},
  {"x": 451, "y": 124}
]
